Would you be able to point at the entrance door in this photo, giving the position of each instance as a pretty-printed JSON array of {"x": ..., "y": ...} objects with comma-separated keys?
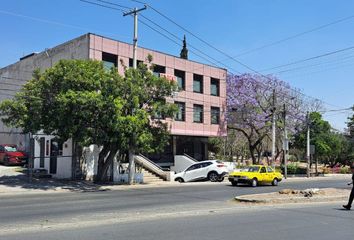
[
  {"x": 54, "y": 150},
  {"x": 41, "y": 152}
]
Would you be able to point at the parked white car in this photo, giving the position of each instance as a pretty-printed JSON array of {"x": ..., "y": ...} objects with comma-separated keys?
[{"x": 212, "y": 170}]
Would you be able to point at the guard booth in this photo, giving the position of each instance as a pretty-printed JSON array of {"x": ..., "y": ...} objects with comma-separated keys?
[{"x": 53, "y": 155}]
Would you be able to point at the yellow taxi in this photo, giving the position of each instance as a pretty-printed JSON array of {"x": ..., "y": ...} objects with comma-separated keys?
[{"x": 255, "y": 175}]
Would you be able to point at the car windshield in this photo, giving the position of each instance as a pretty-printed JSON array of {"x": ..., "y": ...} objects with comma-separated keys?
[
  {"x": 253, "y": 169},
  {"x": 10, "y": 149},
  {"x": 244, "y": 169}
]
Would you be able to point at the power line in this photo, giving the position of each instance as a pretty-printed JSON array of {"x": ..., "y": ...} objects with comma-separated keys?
[
  {"x": 334, "y": 61},
  {"x": 164, "y": 35},
  {"x": 295, "y": 36},
  {"x": 310, "y": 58},
  {"x": 56, "y": 23},
  {"x": 102, "y": 5}
]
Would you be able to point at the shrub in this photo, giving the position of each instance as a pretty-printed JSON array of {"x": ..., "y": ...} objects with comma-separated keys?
[
  {"x": 294, "y": 168},
  {"x": 344, "y": 170}
]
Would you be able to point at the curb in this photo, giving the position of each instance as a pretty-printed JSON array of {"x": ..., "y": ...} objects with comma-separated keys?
[
  {"x": 274, "y": 197},
  {"x": 292, "y": 200}
]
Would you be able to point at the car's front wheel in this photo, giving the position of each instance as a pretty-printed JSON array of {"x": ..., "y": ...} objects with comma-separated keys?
[
  {"x": 180, "y": 180},
  {"x": 221, "y": 179},
  {"x": 213, "y": 176},
  {"x": 275, "y": 182},
  {"x": 254, "y": 182}
]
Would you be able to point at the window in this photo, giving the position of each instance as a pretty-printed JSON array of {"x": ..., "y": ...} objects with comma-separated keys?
[
  {"x": 215, "y": 115},
  {"x": 197, "y": 113},
  {"x": 197, "y": 83},
  {"x": 270, "y": 170},
  {"x": 131, "y": 62},
  {"x": 194, "y": 167},
  {"x": 263, "y": 170},
  {"x": 181, "y": 76},
  {"x": 206, "y": 164},
  {"x": 180, "y": 115},
  {"x": 157, "y": 69},
  {"x": 158, "y": 111},
  {"x": 2, "y": 149},
  {"x": 214, "y": 87},
  {"x": 109, "y": 60}
]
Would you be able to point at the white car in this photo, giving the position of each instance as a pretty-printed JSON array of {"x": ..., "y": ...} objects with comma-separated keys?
[{"x": 212, "y": 170}]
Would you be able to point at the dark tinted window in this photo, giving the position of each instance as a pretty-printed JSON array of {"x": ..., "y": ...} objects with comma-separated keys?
[
  {"x": 214, "y": 87},
  {"x": 194, "y": 166},
  {"x": 109, "y": 60},
  {"x": 263, "y": 170},
  {"x": 180, "y": 115},
  {"x": 181, "y": 76},
  {"x": 197, "y": 83},
  {"x": 215, "y": 115},
  {"x": 206, "y": 164},
  {"x": 197, "y": 113}
]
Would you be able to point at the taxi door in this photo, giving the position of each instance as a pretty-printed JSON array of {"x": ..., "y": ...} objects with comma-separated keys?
[
  {"x": 271, "y": 174},
  {"x": 263, "y": 174}
]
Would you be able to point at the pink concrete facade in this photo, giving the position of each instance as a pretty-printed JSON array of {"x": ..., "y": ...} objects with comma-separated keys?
[{"x": 124, "y": 51}]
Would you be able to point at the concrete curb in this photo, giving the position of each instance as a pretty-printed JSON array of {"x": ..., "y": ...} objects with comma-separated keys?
[{"x": 275, "y": 197}]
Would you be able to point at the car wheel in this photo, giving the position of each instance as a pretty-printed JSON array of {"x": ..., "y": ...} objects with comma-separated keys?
[
  {"x": 213, "y": 176},
  {"x": 234, "y": 183},
  {"x": 275, "y": 182},
  {"x": 221, "y": 179},
  {"x": 179, "y": 180},
  {"x": 254, "y": 182},
  {"x": 6, "y": 162}
]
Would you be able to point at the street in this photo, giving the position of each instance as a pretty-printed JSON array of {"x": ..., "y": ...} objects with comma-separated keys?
[{"x": 189, "y": 211}]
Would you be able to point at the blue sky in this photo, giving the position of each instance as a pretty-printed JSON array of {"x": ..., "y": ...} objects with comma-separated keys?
[{"x": 233, "y": 26}]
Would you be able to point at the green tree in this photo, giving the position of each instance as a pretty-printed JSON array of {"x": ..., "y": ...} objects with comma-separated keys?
[
  {"x": 80, "y": 99},
  {"x": 330, "y": 147}
]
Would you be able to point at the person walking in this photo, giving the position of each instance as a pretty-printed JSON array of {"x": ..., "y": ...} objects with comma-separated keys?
[{"x": 351, "y": 197}]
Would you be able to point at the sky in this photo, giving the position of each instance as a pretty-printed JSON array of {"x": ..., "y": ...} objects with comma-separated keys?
[{"x": 262, "y": 35}]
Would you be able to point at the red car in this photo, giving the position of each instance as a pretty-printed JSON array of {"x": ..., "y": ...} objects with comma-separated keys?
[{"x": 9, "y": 155}]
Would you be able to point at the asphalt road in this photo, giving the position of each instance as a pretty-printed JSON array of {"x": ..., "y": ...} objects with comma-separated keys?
[{"x": 189, "y": 211}]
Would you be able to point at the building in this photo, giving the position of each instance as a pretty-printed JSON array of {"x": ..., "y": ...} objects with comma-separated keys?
[{"x": 201, "y": 101}]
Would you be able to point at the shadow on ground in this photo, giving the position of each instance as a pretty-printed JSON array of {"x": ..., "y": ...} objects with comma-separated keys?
[{"x": 23, "y": 181}]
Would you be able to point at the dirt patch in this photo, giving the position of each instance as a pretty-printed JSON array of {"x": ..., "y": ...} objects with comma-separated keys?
[{"x": 295, "y": 196}]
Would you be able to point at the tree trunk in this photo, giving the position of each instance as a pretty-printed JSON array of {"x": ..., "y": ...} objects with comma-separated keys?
[
  {"x": 101, "y": 160},
  {"x": 252, "y": 149},
  {"x": 131, "y": 166},
  {"x": 112, "y": 153}
]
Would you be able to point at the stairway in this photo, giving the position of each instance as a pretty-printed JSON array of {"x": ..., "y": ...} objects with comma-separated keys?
[{"x": 150, "y": 177}]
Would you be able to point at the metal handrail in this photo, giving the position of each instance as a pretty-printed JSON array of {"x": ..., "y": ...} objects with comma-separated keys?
[
  {"x": 192, "y": 158},
  {"x": 151, "y": 166}
]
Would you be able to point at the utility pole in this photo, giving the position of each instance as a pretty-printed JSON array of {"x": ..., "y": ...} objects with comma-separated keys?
[
  {"x": 134, "y": 12},
  {"x": 308, "y": 144},
  {"x": 273, "y": 130},
  {"x": 286, "y": 144}
]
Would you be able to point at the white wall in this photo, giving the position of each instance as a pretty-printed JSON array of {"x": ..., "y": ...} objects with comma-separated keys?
[
  {"x": 90, "y": 155},
  {"x": 181, "y": 163},
  {"x": 64, "y": 162}
]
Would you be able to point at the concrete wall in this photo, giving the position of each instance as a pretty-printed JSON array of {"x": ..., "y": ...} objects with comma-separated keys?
[
  {"x": 181, "y": 163},
  {"x": 14, "y": 76}
]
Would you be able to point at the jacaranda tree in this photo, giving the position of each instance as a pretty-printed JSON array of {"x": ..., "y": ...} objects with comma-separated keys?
[{"x": 251, "y": 102}]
